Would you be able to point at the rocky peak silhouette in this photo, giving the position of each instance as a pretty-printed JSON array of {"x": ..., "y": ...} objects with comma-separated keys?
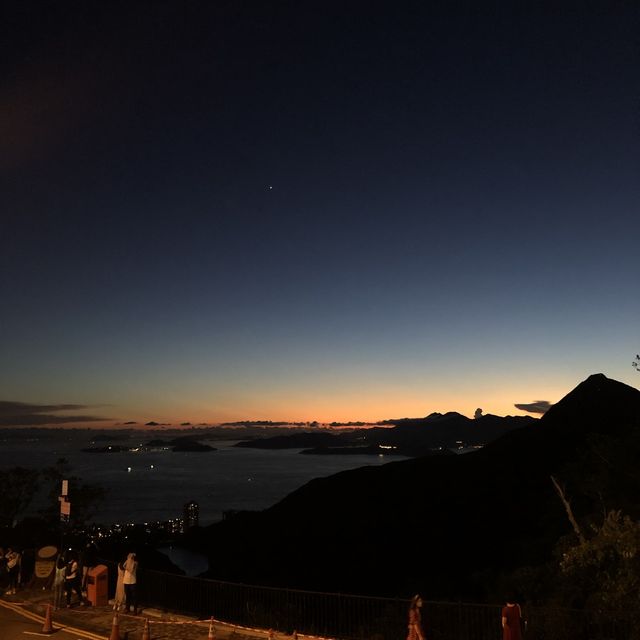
[{"x": 441, "y": 526}]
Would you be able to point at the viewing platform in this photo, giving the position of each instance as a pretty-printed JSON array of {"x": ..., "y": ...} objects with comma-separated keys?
[{"x": 96, "y": 623}]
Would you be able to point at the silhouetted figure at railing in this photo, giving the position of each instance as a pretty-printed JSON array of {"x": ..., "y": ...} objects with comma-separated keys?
[
  {"x": 512, "y": 621},
  {"x": 415, "y": 619},
  {"x": 130, "y": 568}
]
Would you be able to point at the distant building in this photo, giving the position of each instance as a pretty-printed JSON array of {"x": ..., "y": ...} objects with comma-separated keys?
[
  {"x": 191, "y": 515},
  {"x": 174, "y": 526}
]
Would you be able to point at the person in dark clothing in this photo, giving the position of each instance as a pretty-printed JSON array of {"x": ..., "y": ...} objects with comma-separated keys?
[
  {"x": 72, "y": 579},
  {"x": 12, "y": 558}
]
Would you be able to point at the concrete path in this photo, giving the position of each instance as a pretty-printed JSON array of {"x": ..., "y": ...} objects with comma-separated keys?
[{"x": 97, "y": 623}]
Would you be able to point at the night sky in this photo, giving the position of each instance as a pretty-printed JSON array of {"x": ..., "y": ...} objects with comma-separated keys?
[{"x": 315, "y": 210}]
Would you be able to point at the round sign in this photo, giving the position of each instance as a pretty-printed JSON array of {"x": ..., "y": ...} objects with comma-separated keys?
[{"x": 45, "y": 553}]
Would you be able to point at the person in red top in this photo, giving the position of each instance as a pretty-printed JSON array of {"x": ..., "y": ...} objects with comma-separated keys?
[
  {"x": 415, "y": 619},
  {"x": 511, "y": 621}
]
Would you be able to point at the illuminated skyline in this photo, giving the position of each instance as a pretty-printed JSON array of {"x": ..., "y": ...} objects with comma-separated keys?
[{"x": 214, "y": 213}]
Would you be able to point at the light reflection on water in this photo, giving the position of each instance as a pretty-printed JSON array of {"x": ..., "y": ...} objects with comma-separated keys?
[{"x": 160, "y": 481}]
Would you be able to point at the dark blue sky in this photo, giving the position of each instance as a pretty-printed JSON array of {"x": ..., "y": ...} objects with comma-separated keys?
[{"x": 288, "y": 210}]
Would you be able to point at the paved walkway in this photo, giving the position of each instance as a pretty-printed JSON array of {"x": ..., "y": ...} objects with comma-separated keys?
[{"x": 98, "y": 621}]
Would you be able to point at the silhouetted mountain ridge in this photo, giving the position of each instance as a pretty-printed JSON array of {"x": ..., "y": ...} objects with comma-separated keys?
[
  {"x": 444, "y": 526},
  {"x": 413, "y": 436}
]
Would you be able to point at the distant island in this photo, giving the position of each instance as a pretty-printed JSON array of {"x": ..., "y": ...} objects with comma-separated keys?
[
  {"x": 184, "y": 443},
  {"x": 311, "y": 423},
  {"x": 263, "y": 423},
  {"x": 373, "y": 450}
]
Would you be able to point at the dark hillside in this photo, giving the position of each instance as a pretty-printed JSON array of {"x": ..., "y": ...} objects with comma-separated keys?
[
  {"x": 446, "y": 526},
  {"x": 446, "y": 430},
  {"x": 412, "y": 436}
]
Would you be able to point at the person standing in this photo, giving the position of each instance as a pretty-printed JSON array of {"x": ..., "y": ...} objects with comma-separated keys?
[
  {"x": 119, "y": 597},
  {"x": 511, "y": 621},
  {"x": 3, "y": 569},
  {"x": 72, "y": 580},
  {"x": 415, "y": 619},
  {"x": 130, "y": 568},
  {"x": 58, "y": 581},
  {"x": 12, "y": 559}
]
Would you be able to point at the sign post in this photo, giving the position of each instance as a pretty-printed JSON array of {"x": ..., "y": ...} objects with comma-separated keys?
[
  {"x": 65, "y": 510},
  {"x": 65, "y": 504}
]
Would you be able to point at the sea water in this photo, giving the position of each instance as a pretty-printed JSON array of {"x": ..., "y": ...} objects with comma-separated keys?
[{"x": 152, "y": 485}]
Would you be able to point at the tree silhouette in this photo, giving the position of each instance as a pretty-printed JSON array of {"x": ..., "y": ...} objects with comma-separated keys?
[{"x": 19, "y": 487}]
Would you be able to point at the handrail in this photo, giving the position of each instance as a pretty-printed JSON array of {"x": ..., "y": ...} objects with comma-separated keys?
[{"x": 355, "y": 617}]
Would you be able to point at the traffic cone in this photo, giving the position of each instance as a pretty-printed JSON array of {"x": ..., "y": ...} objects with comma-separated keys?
[
  {"x": 272, "y": 635},
  {"x": 212, "y": 633},
  {"x": 145, "y": 633},
  {"x": 47, "y": 627},
  {"x": 115, "y": 628}
]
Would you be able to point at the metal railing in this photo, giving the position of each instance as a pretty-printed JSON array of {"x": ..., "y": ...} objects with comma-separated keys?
[{"x": 352, "y": 617}]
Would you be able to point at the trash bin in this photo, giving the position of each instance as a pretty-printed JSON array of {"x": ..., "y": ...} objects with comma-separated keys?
[{"x": 98, "y": 586}]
